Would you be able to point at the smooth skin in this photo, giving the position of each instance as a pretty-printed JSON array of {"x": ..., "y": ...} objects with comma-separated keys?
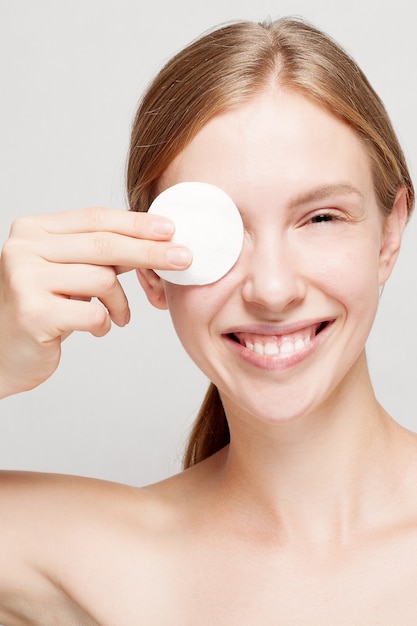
[
  {"x": 310, "y": 515},
  {"x": 52, "y": 267}
]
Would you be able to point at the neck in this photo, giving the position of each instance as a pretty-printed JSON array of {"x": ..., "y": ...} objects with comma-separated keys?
[{"x": 321, "y": 475}]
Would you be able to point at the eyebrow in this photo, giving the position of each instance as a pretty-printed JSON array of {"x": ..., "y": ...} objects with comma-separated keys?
[{"x": 323, "y": 192}]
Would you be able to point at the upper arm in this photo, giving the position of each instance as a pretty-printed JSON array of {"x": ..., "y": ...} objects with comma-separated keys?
[
  {"x": 68, "y": 554},
  {"x": 32, "y": 551}
]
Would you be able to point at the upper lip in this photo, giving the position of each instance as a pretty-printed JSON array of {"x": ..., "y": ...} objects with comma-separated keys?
[{"x": 278, "y": 329}]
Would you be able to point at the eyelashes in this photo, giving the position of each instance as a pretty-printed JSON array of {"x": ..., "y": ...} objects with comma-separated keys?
[{"x": 325, "y": 217}]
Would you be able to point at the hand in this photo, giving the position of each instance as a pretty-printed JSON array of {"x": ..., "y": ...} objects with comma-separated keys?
[{"x": 50, "y": 269}]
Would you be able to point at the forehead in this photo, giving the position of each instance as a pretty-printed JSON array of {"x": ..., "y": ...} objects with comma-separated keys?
[{"x": 279, "y": 142}]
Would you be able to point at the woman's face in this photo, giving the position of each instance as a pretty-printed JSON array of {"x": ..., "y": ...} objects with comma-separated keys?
[{"x": 287, "y": 325}]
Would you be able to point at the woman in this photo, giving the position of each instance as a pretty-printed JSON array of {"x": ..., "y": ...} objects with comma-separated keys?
[{"x": 298, "y": 505}]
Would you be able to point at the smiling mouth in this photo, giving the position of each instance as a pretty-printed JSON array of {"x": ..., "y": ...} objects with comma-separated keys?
[{"x": 277, "y": 345}]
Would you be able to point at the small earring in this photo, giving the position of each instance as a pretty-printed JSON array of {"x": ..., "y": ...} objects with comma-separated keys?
[{"x": 381, "y": 289}]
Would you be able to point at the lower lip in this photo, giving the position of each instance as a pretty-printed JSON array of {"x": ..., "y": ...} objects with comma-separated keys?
[{"x": 278, "y": 362}]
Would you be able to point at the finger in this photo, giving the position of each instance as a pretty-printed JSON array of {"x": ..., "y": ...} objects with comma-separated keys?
[
  {"x": 84, "y": 282},
  {"x": 48, "y": 317},
  {"x": 94, "y": 219},
  {"x": 122, "y": 269},
  {"x": 80, "y": 315},
  {"x": 45, "y": 292},
  {"x": 107, "y": 248}
]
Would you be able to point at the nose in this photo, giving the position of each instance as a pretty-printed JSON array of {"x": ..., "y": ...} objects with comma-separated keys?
[{"x": 273, "y": 277}]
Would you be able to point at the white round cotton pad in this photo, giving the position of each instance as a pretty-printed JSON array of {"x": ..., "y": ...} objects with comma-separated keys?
[{"x": 208, "y": 222}]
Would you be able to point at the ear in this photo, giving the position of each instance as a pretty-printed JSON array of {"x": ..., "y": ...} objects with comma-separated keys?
[
  {"x": 393, "y": 228},
  {"x": 153, "y": 286}
]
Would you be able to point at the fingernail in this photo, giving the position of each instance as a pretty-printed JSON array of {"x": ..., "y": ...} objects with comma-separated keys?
[
  {"x": 179, "y": 256},
  {"x": 162, "y": 226}
]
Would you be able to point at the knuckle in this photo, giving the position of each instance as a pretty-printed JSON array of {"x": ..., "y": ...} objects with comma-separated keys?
[
  {"x": 14, "y": 248},
  {"x": 16, "y": 275},
  {"x": 106, "y": 280},
  {"x": 27, "y": 304},
  {"x": 15, "y": 280},
  {"x": 8, "y": 253},
  {"x": 152, "y": 255},
  {"x": 138, "y": 220},
  {"x": 94, "y": 217},
  {"x": 103, "y": 244},
  {"x": 99, "y": 319},
  {"x": 18, "y": 226},
  {"x": 23, "y": 226}
]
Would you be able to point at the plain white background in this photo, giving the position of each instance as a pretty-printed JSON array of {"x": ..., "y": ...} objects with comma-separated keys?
[{"x": 71, "y": 74}]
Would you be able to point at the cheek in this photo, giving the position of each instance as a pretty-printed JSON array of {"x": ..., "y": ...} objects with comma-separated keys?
[
  {"x": 197, "y": 301},
  {"x": 194, "y": 310},
  {"x": 176, "y": 301},
  {"x": 350, "y": 273},
  {"x": 189, "y": 310}
]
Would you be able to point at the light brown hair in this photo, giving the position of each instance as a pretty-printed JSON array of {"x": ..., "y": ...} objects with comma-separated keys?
[{"x": 225, "y": 68}]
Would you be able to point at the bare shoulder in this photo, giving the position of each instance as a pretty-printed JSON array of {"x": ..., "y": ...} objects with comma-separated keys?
[
  {"x": 47, "y": 521},
  {"x": 71, "y": 509},
  {"x": 76, "y": 545},
  {"x": 59, "y": 498}
]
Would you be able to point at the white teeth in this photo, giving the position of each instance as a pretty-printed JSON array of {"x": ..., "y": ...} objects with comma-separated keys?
[
  {"x": 299, "y": 344},
  {"x": 287, "y": 347},
  {"x": 258, "y": 348},
  {"x": 272, "y": 348}
]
